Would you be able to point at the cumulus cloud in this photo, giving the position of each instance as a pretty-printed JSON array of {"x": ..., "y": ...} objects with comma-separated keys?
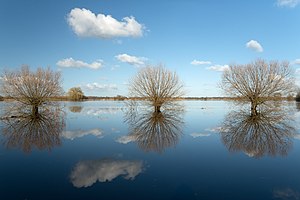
[
  {"x": 218, "y": 68},
  {"x": 198, "y": 62},
  {"x": 80, "y": 133},
  {"x": 288, "y": 3},
  {"x": 87, "y": 24},
  {"x": 126, "y": 139},
  {"x": 98, "y": 86},
  {"x": 254, "y": 45},
  {"x": 88, "y": 172},
  {"x": 132, "y": 60},
  {"x": 70, "y": 62},
  {"x": 195, "y": 135}
]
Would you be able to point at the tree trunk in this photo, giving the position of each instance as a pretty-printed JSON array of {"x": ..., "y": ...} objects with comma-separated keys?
[
  {"x": 157, "y": 109},
  {"x": 35, "y": 110},
  {"x": 253, "y": 108}
]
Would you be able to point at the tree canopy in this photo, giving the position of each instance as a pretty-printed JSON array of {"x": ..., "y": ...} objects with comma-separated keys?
[{"x": 258, "y": 80}]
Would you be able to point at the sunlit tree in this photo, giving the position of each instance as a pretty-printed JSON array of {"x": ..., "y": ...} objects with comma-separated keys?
[
  {"x": 31, "y": 88},
  {"x": 75, "y": 94},
  {"x": 257, "y": 81},
  {"x": 157, "y": 85}
]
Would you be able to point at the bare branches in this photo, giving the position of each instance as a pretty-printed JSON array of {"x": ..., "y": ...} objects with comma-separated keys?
[
  {"x": 31, "y": 88},
  {"x": 258, "y": 80},
  {"x": 157, "y": 85}
]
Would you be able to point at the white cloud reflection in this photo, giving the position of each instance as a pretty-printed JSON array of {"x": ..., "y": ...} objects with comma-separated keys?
[
  {"x": 195, "y": 135},
  {"x": 80, "y": 133},
  {"x": 88, "y": 172}
]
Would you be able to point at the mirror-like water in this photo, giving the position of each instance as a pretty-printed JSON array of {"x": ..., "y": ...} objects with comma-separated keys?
[{"x": 103, "y": 150}]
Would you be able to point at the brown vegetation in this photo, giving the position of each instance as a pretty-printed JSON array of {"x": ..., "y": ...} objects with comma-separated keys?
[
  {"x": 157, "y": 85},
  {"x": 258, "y": 81},
  {"x": 31, "y": 88}
]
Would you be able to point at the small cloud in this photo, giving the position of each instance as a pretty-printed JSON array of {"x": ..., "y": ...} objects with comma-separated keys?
[
  {"x": 71, "y": 63},
  {"x": 288, "y": 3},
  {"x": 98, "y": 86},
  {"x": 218, "y": 68},
  {"x": 132, "y": 60},
  {"x": 195, "y": 135},
  {"x": 254, "y": 45},
  {"x": 87, "y": 24},
  {"x": 198, "y": 62},
  {"x": 296, "y": 62},
  {"x": 126, "y": 139},
  {"x": 88, "y": 172}
]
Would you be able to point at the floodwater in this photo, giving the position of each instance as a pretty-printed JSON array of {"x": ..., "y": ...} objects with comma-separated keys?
[{"x": 105, "y": 150}]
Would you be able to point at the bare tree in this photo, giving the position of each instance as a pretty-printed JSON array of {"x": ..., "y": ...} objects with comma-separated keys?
[
  {"x": 156, "y": 85},
  {"x": 257, "y": 81},
  {"x": 31, "y": 88},
  {"x": 75, "y": 94}
]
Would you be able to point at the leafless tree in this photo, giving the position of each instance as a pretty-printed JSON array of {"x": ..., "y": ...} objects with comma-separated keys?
[
  {"x": 270, "y": 132},
  {"x": 257, "y": 81},
  {"x": 31, "y": 88},
  {"x": 157, "y": 85},
  {"x": 75, "y": 94}
]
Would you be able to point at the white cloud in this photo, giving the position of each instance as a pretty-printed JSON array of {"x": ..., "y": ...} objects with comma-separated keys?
[
  {"x": 126, "y": 139},
  {"x": 132, "y": 60},
  {"x": 198, "y": 62},
  {"x": 98, "y": 86},
  {"x": 254, "y": 45},
  {"x": 296, "y": 62},
  {"x": 218, "y": 68},
  {"x": 87, "y": 24},
  {"x": 195, "y": 135},
  {"x": 288, "y": 3},
  {"x": 86, "y": 173},
  {"x": 70, "y": 62},
  {"x": 80, "y": 133}
]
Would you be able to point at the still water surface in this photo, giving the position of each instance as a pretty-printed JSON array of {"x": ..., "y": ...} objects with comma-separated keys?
[{"x": 99, "y": 151}]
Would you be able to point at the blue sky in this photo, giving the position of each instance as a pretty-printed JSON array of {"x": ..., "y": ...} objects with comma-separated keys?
[{"x": 100, "y": 45}]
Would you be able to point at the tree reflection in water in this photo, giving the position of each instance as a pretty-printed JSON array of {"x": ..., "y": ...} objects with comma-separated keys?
[
  {"x": 155, "y": 131},
  {"x": 24, "y": 130},
  {"x": 268, "y": 133},
  {"x": 75, "y": 109}
]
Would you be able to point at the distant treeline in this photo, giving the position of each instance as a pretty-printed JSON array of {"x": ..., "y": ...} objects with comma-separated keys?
[{"x": 123, "y": 98}]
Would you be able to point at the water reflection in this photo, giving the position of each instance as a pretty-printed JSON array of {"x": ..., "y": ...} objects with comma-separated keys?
[
  {"x": 23, "y": 130},
  {"x": 88, "y": 172},
  {"x": 75, "y": 109},
  {"x": 268, "y": 133},
  {"x": 154, "y": 131},
  {"x": 68, "y": 134}
]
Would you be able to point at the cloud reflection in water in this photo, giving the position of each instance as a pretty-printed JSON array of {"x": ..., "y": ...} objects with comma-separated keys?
[{"x": 88, "y": 172}]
